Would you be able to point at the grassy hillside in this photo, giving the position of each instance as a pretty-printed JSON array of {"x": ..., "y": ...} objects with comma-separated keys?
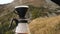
[
  {"x": 35, "y": 12},
  {"x": 49, "y": 25},
  {"x": 38, "y": 8}
]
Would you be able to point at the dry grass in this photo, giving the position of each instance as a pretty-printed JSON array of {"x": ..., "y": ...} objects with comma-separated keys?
[{"x": 49, "y": 25}]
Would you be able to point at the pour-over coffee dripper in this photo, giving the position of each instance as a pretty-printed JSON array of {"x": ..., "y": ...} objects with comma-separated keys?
[
  {"x": 21, "y": 11},
  {"x": 22, "y": 24}
]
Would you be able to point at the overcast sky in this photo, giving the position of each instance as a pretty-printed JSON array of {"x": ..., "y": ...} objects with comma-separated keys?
[{"x": 5, "y": 1}]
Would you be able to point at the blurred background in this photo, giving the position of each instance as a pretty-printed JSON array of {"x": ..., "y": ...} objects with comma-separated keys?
[{"x": 43, "y": 13}]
